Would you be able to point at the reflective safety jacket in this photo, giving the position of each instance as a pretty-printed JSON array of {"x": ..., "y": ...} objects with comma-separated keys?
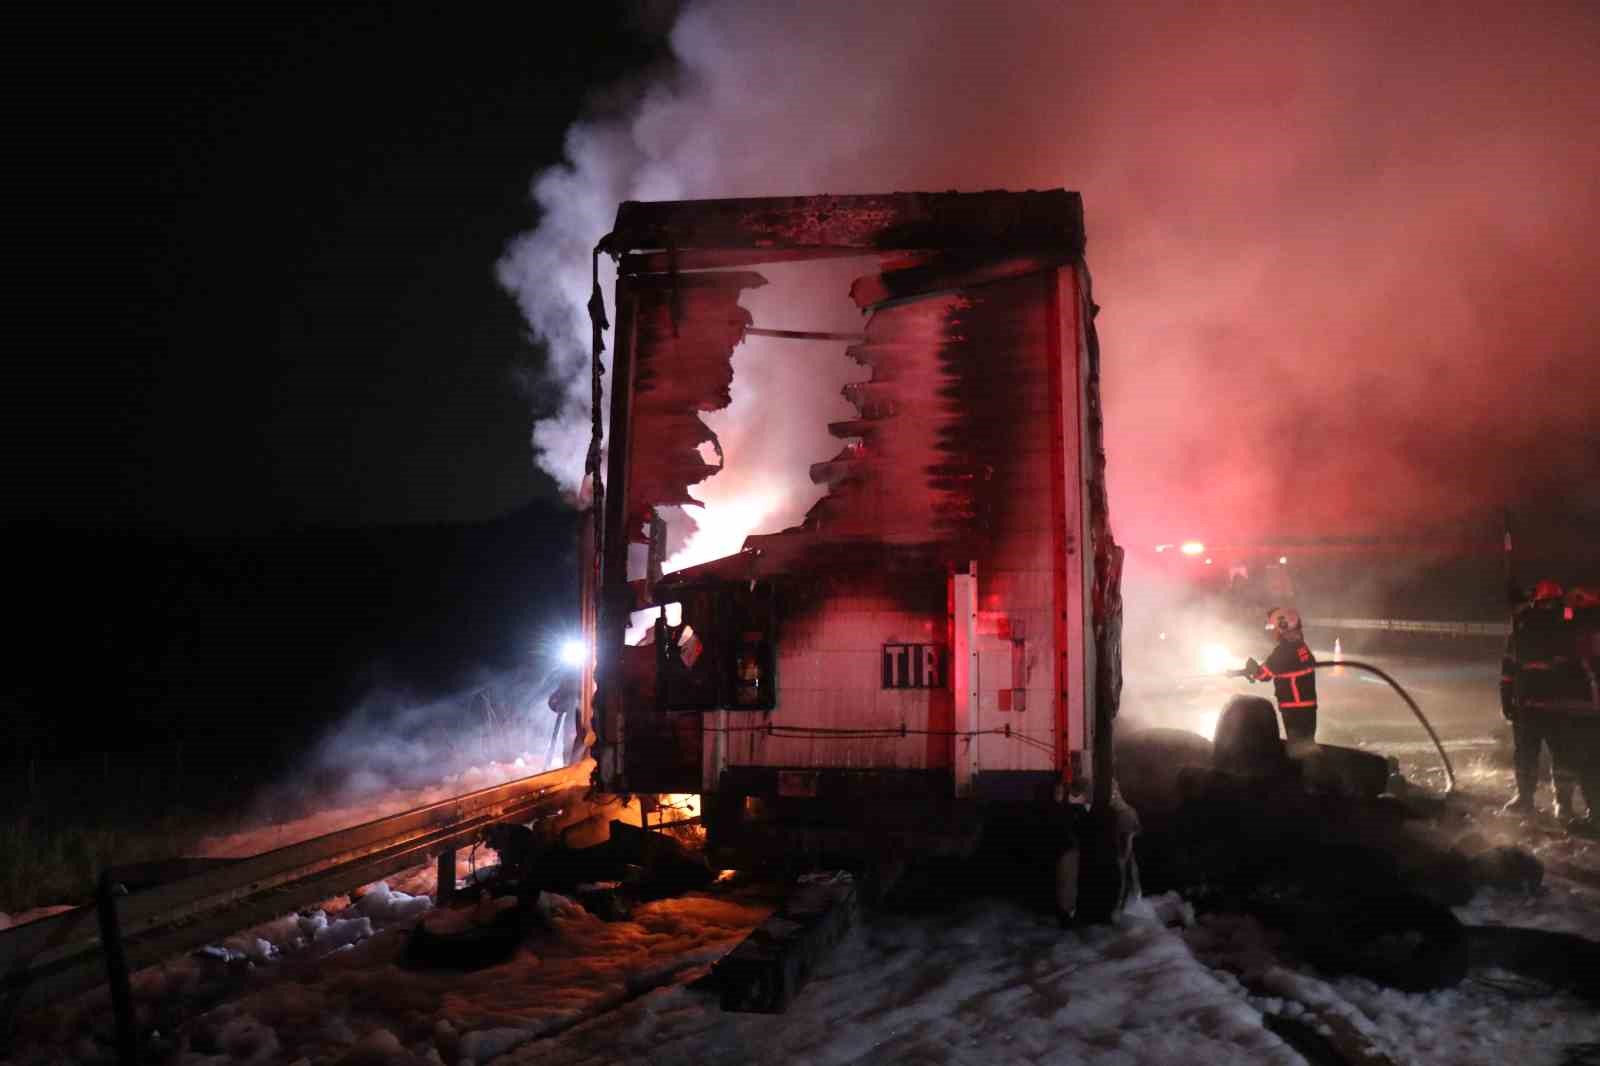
[
  {"x": 1550, "y": 660},
  {"x": 1292, "y": 671}
]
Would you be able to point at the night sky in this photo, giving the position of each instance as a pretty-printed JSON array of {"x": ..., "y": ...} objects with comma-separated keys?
[
  {"x": 1352, "y": 248},
  {"x": 264, "y": 295}
]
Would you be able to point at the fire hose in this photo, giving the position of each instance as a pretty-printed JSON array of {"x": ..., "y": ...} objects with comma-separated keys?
[{"x": 1449, "y": 771}]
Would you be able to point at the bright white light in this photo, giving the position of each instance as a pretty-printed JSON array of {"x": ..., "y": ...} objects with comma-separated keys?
[
  {"x": 573, "y": 653},
  {"x": 1215, "y": 659},
  {"x": 722, "y": 527},
  {"x": 1283, "y": 560},
  {"x": 1192, "y": 547}
]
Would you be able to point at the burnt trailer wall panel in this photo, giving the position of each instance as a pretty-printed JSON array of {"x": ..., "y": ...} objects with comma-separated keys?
[
  {"x": 682, "y": 332},
  {"x": 955, "y": 438},
  {"x": 685, "y": 330},
  {"x": 830, "y": 677},
  {"x": 963, "y": 528}
]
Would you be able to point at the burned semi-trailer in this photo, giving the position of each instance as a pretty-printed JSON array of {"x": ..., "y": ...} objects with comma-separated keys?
[{"x": 937, "y": 642}]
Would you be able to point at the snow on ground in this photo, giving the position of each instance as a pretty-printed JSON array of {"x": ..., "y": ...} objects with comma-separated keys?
[
  {"x": 989, "y": 983},
  {"x": 993, "y": 983},
  {"x": 332, "y": 982},
  {"x": 1475, "y": 1022},
  {"x": 984, "y": 982}
]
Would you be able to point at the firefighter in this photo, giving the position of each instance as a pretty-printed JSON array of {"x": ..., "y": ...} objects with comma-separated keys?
[
  {"x": 1292, "y": 669},
  {"x": 1531, "y": 663},
  {"x": 1580, "y": 740},
  {"x": 563, "y": 704}
]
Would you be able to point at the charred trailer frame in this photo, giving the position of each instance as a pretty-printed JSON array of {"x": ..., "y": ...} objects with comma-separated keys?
[{"x": 939, "y": 639}]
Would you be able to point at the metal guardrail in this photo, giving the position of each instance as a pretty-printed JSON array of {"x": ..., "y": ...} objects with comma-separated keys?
[
  {"x": 1405, "y": 625},
  {"x": 52, "y": 958}
]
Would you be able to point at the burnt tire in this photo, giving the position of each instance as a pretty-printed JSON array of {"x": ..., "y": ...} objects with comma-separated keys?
[
  {"x": 1150, "y": 763},
  {"x": 1247, "y": 741},
  {"x": 1402, "y": 940}
]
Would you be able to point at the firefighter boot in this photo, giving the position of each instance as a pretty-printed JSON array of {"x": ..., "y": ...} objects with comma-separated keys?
[{"x": 1525, "y": 766}]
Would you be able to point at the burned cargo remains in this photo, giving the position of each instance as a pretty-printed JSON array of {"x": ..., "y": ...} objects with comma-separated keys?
[{"x": 940, "y": 632}]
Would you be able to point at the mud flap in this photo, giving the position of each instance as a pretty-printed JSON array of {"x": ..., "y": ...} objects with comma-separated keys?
[
  {"x": 1069, "y": 865},
  {"x": 1097, "y": 874}
]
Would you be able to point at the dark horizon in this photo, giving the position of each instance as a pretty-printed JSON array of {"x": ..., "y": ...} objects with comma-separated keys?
[{"x": 275, "y": 304}]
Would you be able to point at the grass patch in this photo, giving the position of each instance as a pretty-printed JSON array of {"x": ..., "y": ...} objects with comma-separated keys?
[{"x": 65, "y": 821}]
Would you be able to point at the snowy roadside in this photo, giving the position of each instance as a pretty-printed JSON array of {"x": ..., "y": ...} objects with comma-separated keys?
[
  {"x": 984, "y": 982},
  {"x": 331, "y": 985},
  {"x": 988, "y": 983},
  {"x": 993, "y": 983},
  {"x": 1490, "y": 1018}
]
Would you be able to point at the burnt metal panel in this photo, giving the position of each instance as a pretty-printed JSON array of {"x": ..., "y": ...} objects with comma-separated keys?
[
  {"x": 662, "y": 750},
  {"x": 947, "y": 419},
  {"x": 680, "y": 259},
  {"x": 685, "y": 329},
  {"x": 615, "y": 599},
  {"x": 945, "y": 273},
  {"x": 1051, "y": 219},
  {"x": 1106, "y": 610}
]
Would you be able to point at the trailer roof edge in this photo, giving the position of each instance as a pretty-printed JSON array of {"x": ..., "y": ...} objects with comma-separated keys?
[{"x": 1050, "y": 220}]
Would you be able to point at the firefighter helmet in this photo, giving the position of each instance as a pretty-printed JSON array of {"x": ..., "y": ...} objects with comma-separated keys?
[
  {"x": 1285, "y": 622},
  {"x": 1546, "y": 590}
]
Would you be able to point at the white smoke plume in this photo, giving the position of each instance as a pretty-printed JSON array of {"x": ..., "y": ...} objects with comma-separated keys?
[
  {"x": 1341, "y": 249},
  {"x": 396, "y": 750}
]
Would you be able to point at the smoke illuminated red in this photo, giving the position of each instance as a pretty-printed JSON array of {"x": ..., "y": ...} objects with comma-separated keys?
[{"x": 1341, "y": 253}]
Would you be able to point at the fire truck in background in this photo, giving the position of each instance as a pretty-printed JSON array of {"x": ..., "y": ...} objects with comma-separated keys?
[{"x": 935, "y": 648}]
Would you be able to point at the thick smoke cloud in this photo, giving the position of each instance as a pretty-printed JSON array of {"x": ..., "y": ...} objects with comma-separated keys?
[
  {"x": 395, "y": 744},
  {"x": 1346, "y": 257}
]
